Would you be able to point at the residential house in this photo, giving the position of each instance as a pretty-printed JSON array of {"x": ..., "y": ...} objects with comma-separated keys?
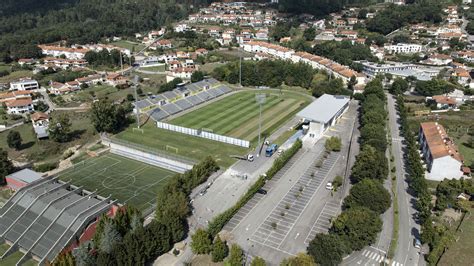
[
  {"x": 69, "y": 53},
  {"x": 58, "y": 88},
  {"x": 442, "y": 101},
  {"x": 40, "y": 123},
  {"x": 115, "y": 79},
  {"x": 403, "y": 48},
  {"x": 26, "y": 61},
  {"x": 19, "y": 106},
  {"x": 441, "y": 155},
  {"x": 438, "y": 60}
]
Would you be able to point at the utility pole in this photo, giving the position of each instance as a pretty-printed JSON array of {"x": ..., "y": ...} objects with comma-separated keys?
[
  {"x": 135, "y": 84},
  {"x": 240, "y": 67},
  {"x": 121, "y": 63}
]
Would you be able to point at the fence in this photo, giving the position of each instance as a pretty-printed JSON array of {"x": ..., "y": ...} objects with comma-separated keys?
[
  {"x": 144, "y": 154},
  {"x": 204, "y": 134}
]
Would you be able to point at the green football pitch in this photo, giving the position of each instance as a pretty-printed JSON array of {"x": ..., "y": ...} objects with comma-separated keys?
[
  {"x": 129, "y": 181},
  {"x": 238, "y": 115}
]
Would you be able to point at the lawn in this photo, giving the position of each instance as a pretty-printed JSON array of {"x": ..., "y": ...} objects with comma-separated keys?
[
  {"x": 159, "y": 68},
  {"x": 132, "y": 46},
  {"x": 3, "y": 248},
  {"x": 460, "y": 252},
  {"x": 12, "y": 259},
  {"x": 16, "y": 75},
  {"x": 188, "y": 146},
  {"x": 129, "y": 181},
  {"x": 30, "y": 262},
  {"x": 238, "y": 115},
  {"x": 47, "y": 150}
]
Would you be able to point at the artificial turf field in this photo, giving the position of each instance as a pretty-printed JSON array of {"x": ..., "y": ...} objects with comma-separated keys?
[
  {"x": 238, "y": 115},
  {"x": 129, "y": 181}
]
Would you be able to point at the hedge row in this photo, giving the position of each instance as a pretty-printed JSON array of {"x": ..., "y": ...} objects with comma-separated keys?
[{"x": 216, "y": 225}]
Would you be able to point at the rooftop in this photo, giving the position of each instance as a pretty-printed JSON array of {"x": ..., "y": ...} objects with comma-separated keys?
[
  {"x": 439, "y": 144},
  {"x": 324, "y": 108}
]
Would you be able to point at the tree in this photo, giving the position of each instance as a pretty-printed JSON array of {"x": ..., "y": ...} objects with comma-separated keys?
[
  {"x": 309, "y": 34},
  {"x": 399, "y": 86},
  {"x": 110, "y": 237},
  {"x": 257, "y": 261},
  {"x": 197, "y": 76},
  {"x": 333, "y": 144},
  {"x": 369, "y": 164},
  {"x": 82, "y": 255},
  {"x": 14, "y": 139},
  {"x": 299, "y": 259},
  {"x": 236, "y": 256},
  {"x": 369, "y": 193},
  {"x": 201, "y": 242},
  {"x": 219, "y": 250},
  {"x": 433, "y": 87},
  {"x": 328, "y": 249},
  {"x": 60, "y": 128},
  {"x": 172, "y": 210},
  {"x": 359, "y": 226},
  {"x": 108, "y": 117},
  {"x": 64, "y": 259}
]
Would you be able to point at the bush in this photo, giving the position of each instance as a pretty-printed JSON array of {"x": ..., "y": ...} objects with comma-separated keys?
[
  {"x": 337, "y": 182},
  {"x": 333, "y": 144},
  {"x": 328, "y": 249},
  {"x": 45, "y": 167},
  {"x": 201, "y": 242},
  {"x": 219, "y": 250}
]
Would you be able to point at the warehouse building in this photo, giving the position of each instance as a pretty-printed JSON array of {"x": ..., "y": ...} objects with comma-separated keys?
[{"x": 323, "y": 113}]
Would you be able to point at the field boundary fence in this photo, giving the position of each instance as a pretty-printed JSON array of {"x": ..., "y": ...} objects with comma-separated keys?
[
  {"x": 148, "y": 155},
  {"x": 204, "y": 134}
]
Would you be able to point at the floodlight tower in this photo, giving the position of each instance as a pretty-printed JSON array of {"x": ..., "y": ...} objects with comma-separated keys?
[
  {"x": 260, "y": 98},
  {"x": 135, "y": 84}
]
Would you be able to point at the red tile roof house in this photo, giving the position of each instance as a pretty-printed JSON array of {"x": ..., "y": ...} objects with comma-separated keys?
[{"x": 20, "y": 106}]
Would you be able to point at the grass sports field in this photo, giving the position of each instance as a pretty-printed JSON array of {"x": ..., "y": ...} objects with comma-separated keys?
[
  {"x": 128, "y": 181},
  {"x": 238, "y": 115},
  {"x": 235, "y": 115}
]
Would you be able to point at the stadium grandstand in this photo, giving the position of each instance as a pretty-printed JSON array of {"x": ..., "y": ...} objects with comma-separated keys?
[
  {"x": 184, "y": 97},
  {"x": 47, "y": 216}
]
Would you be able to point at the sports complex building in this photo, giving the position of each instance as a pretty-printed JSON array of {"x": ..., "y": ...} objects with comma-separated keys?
[
  {"x": 47, "y": 216},
  {"x": 323, "y": 113}
]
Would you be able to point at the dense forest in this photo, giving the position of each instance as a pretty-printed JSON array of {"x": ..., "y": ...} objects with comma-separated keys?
[
  {"x": 395, "y": 17},
  {"x": 25, "y": 23},
  {"x": 320, "y": 8}
]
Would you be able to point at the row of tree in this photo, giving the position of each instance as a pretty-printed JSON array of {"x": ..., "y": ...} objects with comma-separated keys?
[
  {"x": 435, "y": 235},
  {"x": 344, "y": 52},
  {"x": 359, "y": 223},
  {"x": 271, "y": 73},
  {"x": 109, "y": 59}
]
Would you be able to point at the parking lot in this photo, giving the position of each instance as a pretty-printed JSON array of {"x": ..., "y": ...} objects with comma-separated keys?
[
  {"x": 330, "y": 210},
  {"x": 244, "y": 211},
  {"x": 283, "y": 217},
  {"x": 297, "y": 206}
]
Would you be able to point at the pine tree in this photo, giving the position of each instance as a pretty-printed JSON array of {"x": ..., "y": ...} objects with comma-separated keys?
[{"x": 109, "y": 238}]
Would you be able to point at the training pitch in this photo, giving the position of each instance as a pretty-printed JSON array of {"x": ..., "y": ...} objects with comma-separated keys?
[
  {"x": 129, "y": 181},
  {"x": 238, "y": 115}
]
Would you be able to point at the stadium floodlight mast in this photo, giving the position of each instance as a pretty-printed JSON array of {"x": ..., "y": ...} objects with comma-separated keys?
[
  {"x": 135, "y": 84},
  {"x": 260, "y": 98}
]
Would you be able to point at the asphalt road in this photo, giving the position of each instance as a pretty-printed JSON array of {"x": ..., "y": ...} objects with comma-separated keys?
[{"x": 405, "y": 253}]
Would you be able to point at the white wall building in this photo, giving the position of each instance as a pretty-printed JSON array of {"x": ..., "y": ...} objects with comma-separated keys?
[
  {"x": 323, "y": 113},
  {"x": 24, "y": 85},
  {"x": 442, "y": 157},
  {"x": 403, "y": 48},
  {"x": 19, "y": 106}
]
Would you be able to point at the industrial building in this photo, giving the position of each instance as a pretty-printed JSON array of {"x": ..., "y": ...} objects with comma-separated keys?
[
  {"x": 323, "y": 113},
  {"x": 46, "y": 216},
  {"x": 442, "y": 157}
]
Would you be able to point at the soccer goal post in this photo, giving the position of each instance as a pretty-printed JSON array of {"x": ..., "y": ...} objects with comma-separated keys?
[{"x": 168, "y": 148}]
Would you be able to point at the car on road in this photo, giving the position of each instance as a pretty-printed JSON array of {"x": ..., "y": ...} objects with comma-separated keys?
[
  {"x": 262, "y": 191},
  {"x": 250, "y": 158},
  {"x": 329, "y": 186},
  {"x": 203, "y": 192}
]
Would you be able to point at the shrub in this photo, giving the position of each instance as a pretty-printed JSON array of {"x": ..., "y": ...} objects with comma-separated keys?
[
  {"x": 45, "y": 167},
  {"x": 333, "y": 144}
]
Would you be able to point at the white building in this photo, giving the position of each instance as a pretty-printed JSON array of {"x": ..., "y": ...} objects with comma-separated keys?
[
  {"x": 403, "y": 48},
  {"x": 24, "y": 85},
  {"x": 442, "y": 157},
  {"x": 323, "y": 113},
  {"x": 19, "y": 106},
  {"x": 400, "y": 70},
  {"x": 69, "y": 53}
]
